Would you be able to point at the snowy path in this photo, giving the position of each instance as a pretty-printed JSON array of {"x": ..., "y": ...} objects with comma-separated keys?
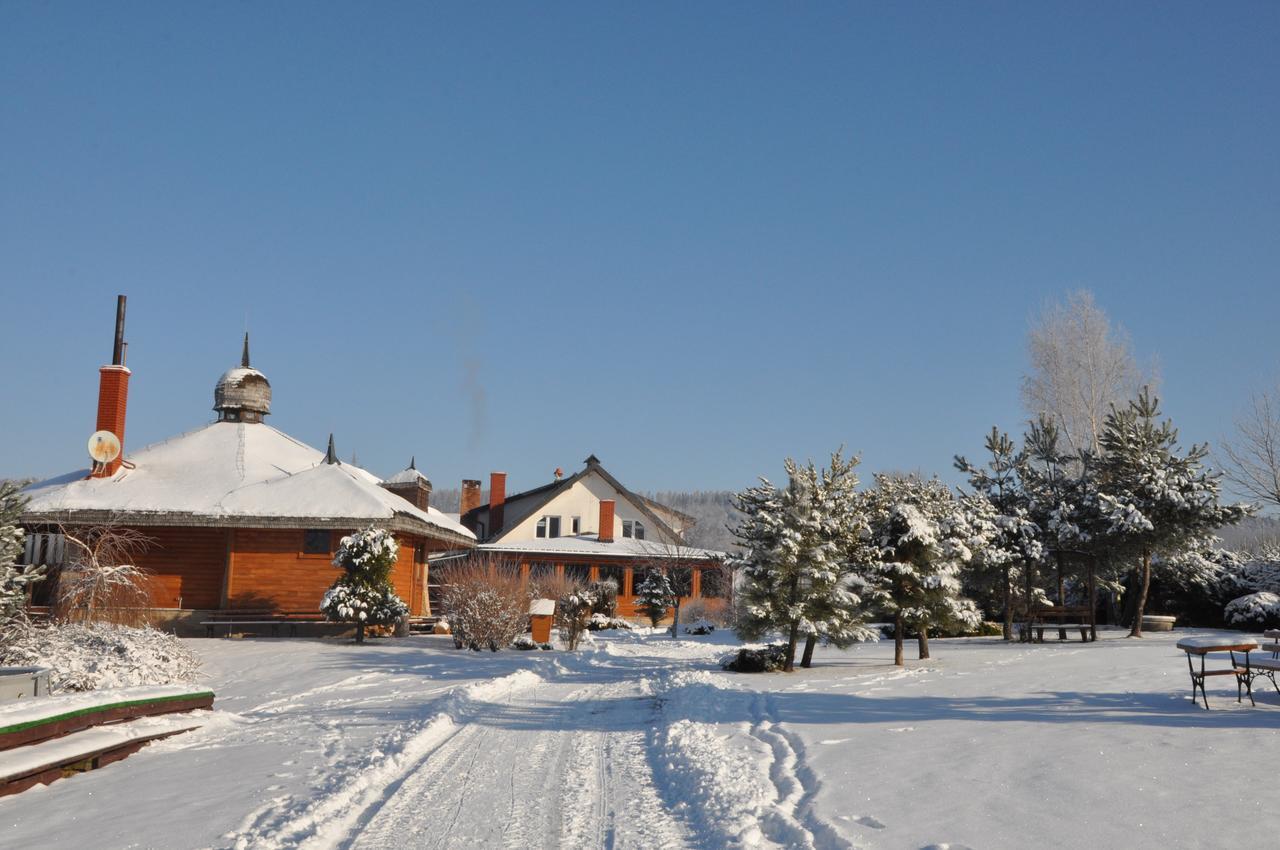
[
  {"x": 514, "y": 777},
  {"x": 638, "y": 741}
]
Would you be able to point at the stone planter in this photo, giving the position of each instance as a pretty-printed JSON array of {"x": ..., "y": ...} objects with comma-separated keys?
[{"x": 1157, "y": 623}]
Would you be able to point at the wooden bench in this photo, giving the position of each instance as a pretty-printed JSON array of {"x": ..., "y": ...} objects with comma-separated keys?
[
  {"x": 272, "y": 619},
  {"x": 1064, "y": 615}
]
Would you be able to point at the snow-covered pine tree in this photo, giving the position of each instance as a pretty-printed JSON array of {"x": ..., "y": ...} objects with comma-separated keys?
[
  {"x": 15, "y": 581},
  {"x": 363, "y": 594},
  {"x": 924, "y": 537},
  {"x": 801, "y": 546},
  {"x": 1156, "y": 499},
  {"x": 656, "y": 596},
  {"x": 1062, "y": 500},
  {"x": 1013, "y": 546}
]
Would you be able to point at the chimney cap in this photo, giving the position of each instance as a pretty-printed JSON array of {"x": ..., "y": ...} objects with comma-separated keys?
[{"x": 592, "y": 460}]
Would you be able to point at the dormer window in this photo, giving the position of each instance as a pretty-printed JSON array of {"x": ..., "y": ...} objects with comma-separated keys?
[
  {"x": 576, "y": 525},
  {"x": 633, "y": 528},
  {"x": 548, "y": 526}
]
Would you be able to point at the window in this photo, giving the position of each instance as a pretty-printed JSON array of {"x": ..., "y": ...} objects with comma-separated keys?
[
  {"x": 47, "y": 549},
  {"x": 548, "y": 526},
  {"x": 577, "y": 572},
  {"x": 713, "y": 583},
  {"x": 681, "y": 581},
  {"x": 541, "y": 570},
  {"x": 633, "y": 528},
  {"x": 616, "y": 574},
  {"x": 315, "y": 541},
  {"x": 576, "y": 525}
]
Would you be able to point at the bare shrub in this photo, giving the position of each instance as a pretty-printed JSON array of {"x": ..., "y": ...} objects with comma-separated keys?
[
  {"x": 100, "y": 582},
  {"x": 485, "y": 602}
]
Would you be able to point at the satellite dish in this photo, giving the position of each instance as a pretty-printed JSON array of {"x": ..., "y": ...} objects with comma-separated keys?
[{"x": 104, "y": 447}]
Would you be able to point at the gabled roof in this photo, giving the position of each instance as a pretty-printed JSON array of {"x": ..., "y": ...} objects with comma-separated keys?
[
  {"x": 547, "y": 492},
  {"x": 233, "y": 474}
]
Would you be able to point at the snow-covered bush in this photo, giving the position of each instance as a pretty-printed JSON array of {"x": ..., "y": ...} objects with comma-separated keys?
[
  {"x": 605, "y": 592},
  {"x": 769, "y": 659},
  {"x": 700, "y": 626},
  {"x": 15, "y": 581},
  {"x": 1255, "y": 612},
  {"x": 603, "y": 622},
  {"x": 524, "y": 642},
  {"x": 573, "y": 615},
  {"x": 363, "y": 594},
  {"x": 485, "y": 602},
  {"x": 90, "y": 656}
]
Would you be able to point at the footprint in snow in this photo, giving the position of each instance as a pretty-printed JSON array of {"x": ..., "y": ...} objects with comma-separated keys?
[{"x": 864, "y": 820}]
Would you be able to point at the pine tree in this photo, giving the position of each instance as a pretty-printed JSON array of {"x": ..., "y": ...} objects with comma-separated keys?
[
  {"x": 15, "y": 581},
  {"x": 656, "y": 596},
  {"x": 801, "y": 547},
  {"x": 363, "y": 594},
  {"x": 1155, "y": 499},
  {"x": 924, "y": 537},
  {"x": 1013, "y": 547}
]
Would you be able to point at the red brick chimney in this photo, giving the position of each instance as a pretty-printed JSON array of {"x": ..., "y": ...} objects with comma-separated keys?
[
  {"x": 470, "y": 501},
  {"x": 497, "y": 501},
  {"x": 113, "y": 394},
  {"x": 606, "y": 521}
]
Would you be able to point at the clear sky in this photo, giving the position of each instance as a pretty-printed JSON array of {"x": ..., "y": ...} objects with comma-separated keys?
[{"x": 692, "y": 238}]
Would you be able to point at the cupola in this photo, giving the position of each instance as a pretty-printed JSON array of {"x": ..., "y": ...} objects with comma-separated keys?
[
  {"x": 242, "y": 394},
  {"x": 411, "y": 485}
]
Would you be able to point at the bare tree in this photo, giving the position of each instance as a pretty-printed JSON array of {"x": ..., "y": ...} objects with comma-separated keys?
[
  {"x": 1080, "y": 365},
  {"x": 100, "y": 581},
  {"x": 1252, "y": 460}
]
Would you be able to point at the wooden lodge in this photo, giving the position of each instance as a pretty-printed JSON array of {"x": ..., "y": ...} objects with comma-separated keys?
[{"x": 237, "y": 515}]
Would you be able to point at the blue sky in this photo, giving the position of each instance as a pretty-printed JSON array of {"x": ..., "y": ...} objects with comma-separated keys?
[{"x": 690, "y": 238}]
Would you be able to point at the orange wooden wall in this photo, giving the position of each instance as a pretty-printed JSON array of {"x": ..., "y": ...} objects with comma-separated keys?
[{"x": 258, "y": 569}]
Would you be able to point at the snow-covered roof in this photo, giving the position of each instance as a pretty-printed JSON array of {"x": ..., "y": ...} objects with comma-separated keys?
[
  {"x": 232, "y": 473},
  {"x": 542, "y": 607},
  {"x": 407, "y": 476},
  {"x": 586, "y": 545}
]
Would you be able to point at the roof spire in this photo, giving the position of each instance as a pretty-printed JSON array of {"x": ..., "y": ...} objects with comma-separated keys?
[
  {"x": 413, "y": 462},
  {"x": 331, "y": 457},
  {"x": 244, "y": 357}
]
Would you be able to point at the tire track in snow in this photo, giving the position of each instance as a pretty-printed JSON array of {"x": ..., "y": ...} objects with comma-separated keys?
[{"x": 324, "y": 818}]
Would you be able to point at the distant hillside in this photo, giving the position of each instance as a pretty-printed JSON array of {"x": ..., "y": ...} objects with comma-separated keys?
[
  {"x": 713, "y": 510},
  {"x": 1253, "y": 534}
]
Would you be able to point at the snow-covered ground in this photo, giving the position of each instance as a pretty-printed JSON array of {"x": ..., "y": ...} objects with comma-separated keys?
[{"x": 641, "y": 741}]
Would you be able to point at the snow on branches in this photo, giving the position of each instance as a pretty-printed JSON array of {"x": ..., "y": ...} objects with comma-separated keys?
[
  {"x": 363, "y": 595},
  {"x": 801, "y": 547}
]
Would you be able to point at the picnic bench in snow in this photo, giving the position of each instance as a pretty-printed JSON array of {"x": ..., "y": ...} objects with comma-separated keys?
[
  {"x": 1268, "y": 662},
  {"x": 1205, "y": 645},
  {"x": 1064, "y": 617},
  {"x": 271, "y": 619},
  {"x": 47, "y": 738}
]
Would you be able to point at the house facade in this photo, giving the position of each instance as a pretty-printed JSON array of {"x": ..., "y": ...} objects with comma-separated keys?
[
  {"x": 237, "y": 515},
  {"x": 590, "y": 527}
]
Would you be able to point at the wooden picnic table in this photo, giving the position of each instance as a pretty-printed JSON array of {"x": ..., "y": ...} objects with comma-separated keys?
[{"x": 1204, "y": 646}]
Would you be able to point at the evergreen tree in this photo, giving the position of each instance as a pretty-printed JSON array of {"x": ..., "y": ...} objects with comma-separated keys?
[
  {"x": 656, "y": 596},
  {"x": 801, "y": 546},
  {"x": 1062, "y": 495},
  {"x": 923, "y": 538},
  {"x": 1013, "y": 546},
  {"x": 1155, "y": 499},
  {"x": 363, "y": 594},
  {"x": 15, "y": 581}
]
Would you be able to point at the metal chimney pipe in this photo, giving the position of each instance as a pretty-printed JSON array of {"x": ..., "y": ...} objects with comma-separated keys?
[{"x": 117, "y": 354}]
